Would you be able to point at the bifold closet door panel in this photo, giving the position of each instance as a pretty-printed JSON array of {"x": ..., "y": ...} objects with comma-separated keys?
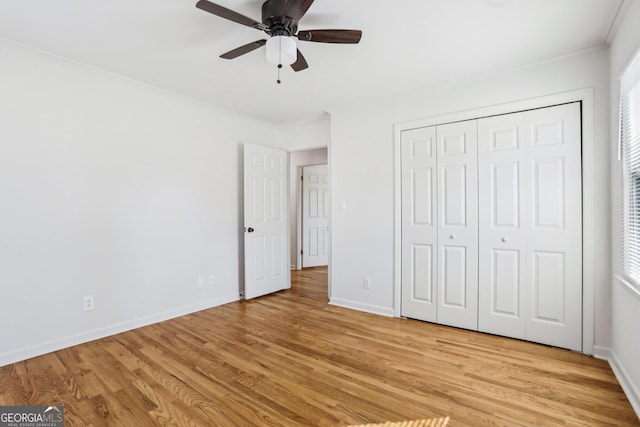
[
  {"x": 502, "y": 215},
  {"x": 457, "y": 202},
  {"x": 554, "y": 239},
  {"x": 530, "y": 240},
  {"x": 419, "y": 224}
]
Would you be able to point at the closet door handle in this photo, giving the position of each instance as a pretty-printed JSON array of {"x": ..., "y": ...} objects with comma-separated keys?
[
  {"x": 452, "y": 236},
  {"x": 505, "y": 239}
]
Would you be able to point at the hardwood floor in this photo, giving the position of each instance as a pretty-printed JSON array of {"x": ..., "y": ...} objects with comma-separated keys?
[{"x": 291, "y": 359}]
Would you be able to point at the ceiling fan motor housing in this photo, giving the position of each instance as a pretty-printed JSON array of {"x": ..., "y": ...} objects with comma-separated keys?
[{"x": 272, "y": 17}]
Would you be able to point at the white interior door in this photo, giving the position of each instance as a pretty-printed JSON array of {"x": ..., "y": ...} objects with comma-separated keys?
[
  {"x": 554, "y": 239},
  {"x": 266, "y": 240},
  {"x": 531, "y": 226},
  {"x": 457, "y": 163},
  {"x": 419, "y": 224},
  {"x": 503, "y": 272},
  {"x": 315, "y": 216}
]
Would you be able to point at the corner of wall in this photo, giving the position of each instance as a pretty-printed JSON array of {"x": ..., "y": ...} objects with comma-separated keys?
[{"x": 625, "y": 380}]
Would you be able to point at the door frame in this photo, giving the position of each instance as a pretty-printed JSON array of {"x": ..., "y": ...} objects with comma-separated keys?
[
  {"x": 297, "y": 217},
  {"x": 299, "y": 202},
  {"x": 586, "y": 97}
]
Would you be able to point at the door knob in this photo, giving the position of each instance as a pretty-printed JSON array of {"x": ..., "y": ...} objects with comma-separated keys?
[
  {"x": 505, "y": 239},
  {"x": 250, "y": 230},
  {"x": 452, "y": 236}
]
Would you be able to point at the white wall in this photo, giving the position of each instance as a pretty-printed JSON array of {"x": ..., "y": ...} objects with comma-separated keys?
[
  {"x": 362, "y": 170},
  {"x": 112, "y": 189},
  {"x": 306, "y": 135},
  {"x": 625, "y": 345}
]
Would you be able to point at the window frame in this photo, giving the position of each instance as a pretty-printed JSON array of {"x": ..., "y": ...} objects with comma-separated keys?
[{"x": 629, "y": 149}]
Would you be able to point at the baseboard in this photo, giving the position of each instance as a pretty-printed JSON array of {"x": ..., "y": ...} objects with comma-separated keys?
[
  {"x": 600, "y": 352},
  {"x": 368, "y": 308},
  {"x": 84, "y": 337},
  {"x": 629, "y": 388}
]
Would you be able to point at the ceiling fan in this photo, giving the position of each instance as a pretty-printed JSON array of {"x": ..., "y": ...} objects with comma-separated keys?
[{"x": 280, "y": 20}]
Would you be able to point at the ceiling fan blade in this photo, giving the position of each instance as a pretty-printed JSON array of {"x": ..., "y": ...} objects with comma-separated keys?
[
  {"x": 300, "y": 64},
  {"x": 229, "y": 14},
  {"x": 330, "y": 36},
  {"x": 297, "y": 8},
  {"x": 249, "y": 47}
]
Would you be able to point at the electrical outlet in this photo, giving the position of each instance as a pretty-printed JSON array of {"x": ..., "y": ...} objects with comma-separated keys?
[
  {"x": 201, "y": 282},
  {"x": 87, "y": 303},
  {"x": 212, "y": 279},
  {"x": 366, "y": 282}
]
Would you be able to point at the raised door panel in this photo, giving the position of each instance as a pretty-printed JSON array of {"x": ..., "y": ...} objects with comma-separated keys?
[
  {"x": 505, "y": 283},
  {"x": 419, "y": 228},
  {"x": 421, "y": 193},
  {"x": 457, "y": 202},
  {"x": 549, "y": 284},
  {"x": 502, "y": 240},
  {"x": 554, "y": 244},
  {"x": 454, "y": 196},
  {"x": 548, "y": 193},
  {"x": 505, "y": 194},
  {"x": 422, "y": 273},
  {"x": 454, "y": 277}
]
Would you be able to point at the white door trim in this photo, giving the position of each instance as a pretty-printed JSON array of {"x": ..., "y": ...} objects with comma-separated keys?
[
  {"x": 586, "y": 96},
  {"x": 299, "y": 218},
  {"x": 298, "y": 201}
]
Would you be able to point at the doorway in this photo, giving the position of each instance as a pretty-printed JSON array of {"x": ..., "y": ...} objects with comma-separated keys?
[{"x": 297, "y": 161}]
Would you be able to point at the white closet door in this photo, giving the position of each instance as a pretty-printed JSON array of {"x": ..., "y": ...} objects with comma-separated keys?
[
  {"x": 530, "y": 274},
  {"x": 457, "y": 225},
  {"x": 419, "y": 224},
  {"x": 503, "y": 221},
  {"x": 554, "y": 239}
]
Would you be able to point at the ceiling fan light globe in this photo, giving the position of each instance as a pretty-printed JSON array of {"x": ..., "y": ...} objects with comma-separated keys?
[{"x": 282, "y": 50}]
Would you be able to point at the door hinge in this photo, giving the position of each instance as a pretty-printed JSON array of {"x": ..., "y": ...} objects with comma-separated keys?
[
  {"x": 301, "y": 178},
  {"x": 301, "y": 251}
]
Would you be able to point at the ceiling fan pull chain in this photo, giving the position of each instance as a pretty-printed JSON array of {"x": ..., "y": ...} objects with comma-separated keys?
[{"x": 279, "y": 58}]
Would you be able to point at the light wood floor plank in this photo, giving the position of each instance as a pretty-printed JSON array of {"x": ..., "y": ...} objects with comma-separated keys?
[{"x": 291, "y": 359}]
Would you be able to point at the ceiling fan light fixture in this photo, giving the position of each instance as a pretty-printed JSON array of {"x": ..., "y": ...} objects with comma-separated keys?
[
  {"x": 280, "y": 20},
  {"x": 282, "y": 50}
]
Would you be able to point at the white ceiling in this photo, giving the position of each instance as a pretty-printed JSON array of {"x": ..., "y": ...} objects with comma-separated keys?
[{"x": 407, "y": 46}]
